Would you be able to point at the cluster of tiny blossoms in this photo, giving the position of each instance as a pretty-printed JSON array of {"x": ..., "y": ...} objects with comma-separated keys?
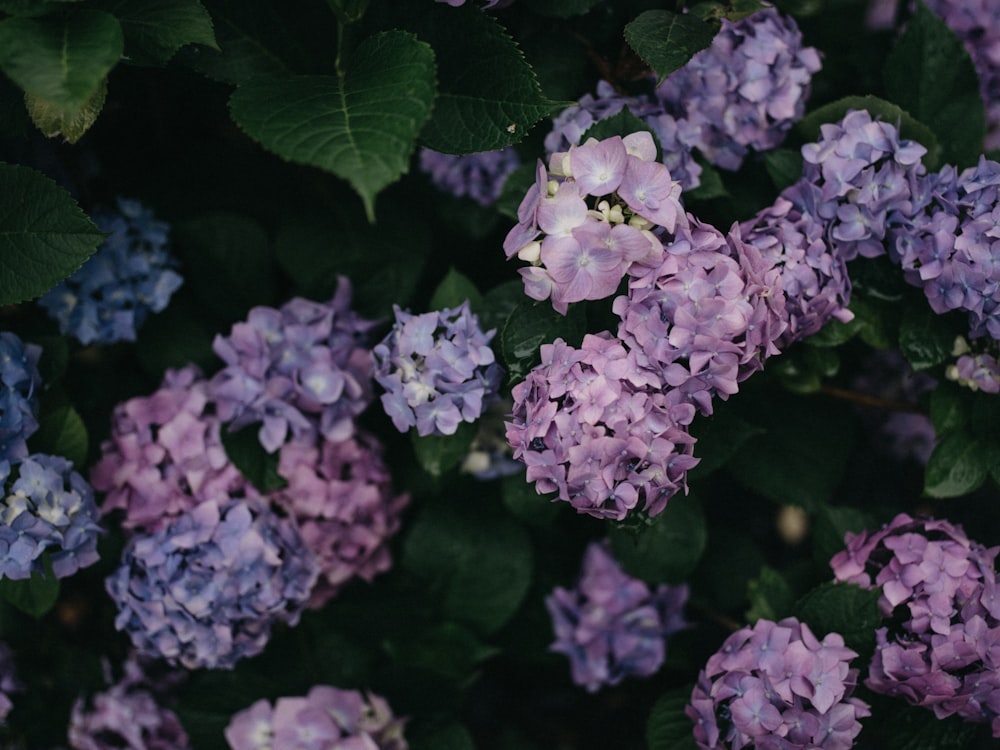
[
  {"x": 480, "y": 176},
  {"x": 19, "y": 385},
  {"x": 612, "y": 626},
  {"x": 595, "y": 428},
  {"x": 130, "y": 276},
  {"x": 340, "y": 495},
  {"x": 299, "y": 369},
  {"x": 437, "y": 369},
  {"x": 326, "y": 717},
  {"x": 165, "y": 454},
  {"x": 582, "y": 232},
  {"x": 9, "y": 680},
  {"x": 206, "y": 588},
  {"x": 979, "y": 371},
  {"x": 47, "y": 509},
  {"x": 940, "y": 647},
  {"x": 776, "y": 685},
  {"x": 746, "y": 90}
]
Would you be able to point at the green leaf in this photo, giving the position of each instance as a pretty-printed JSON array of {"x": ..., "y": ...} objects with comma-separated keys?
[
  {"x": 905, "y": 727},
  {"x": 454, "y": 289},
  {"x": 438, "y": 454},
  {"x": 949, "y": 407},
  {"x": 925, "y": 337},
  {"x": 784, "y": 166},
  {"x": 666, "y": 41},
  {"x": 448, "y": 649},
  {"x": 831, "y": 525},
  {"x": 719, "y": 437},
  {"x": 909, "y": 126},
  {"x": 843, "y": 608},
  {"x": 515, "y": 187},
  {"x": 488, "y": 95},
  {"x": 668, "y": 727},
  {"x": 533, "y": 324},
  {"x": 930, "y": 74},
  {"x": 710, "y": 184},
  {"x": 621, "y": 123},
  {"x": 957, "y": 466},
  {"x": 155, "y": 29},
  {"x": 36, "y": 595},
  {"x": 524, "y": 503},
  {"x": 770, "y": 596},
  {"x": 44, "y": 235},
  {"x": 247, "y": 454},
  {"x": 668, "y": 548},
  {"x": 474, "y": 560},
  {"x": 178, "y": 336},
  {"x": 61, "y": 432},
  {"x": 360, "y": 125},
  {"x": 54, "y": 121},
  {"x": 31, "y": 7},
  {"x": 61, "y": 60},
  {"x": 796, "y": 462},
  {"x": 228, "y": 262}
]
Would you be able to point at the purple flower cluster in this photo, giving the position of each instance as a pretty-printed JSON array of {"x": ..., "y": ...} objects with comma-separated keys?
[
  {"x": 438, "y": 370},
  {"x": 206, "y": 588},
  {"x": 777, "y": 686},
  {"x": 129, "y": 715},
  {"x": 814, "y": 279},
  {"x": 863, "y": 172},
  {"x": 479, "y": 176},
  {"x": 978, "y": 371},
  {"x": 340, "y": 495},
  {"x": 300, "y": 369},
  {"x": 677, "y": 138},
  {"x": 114, "y": 291},
  {"x": 326, "y": 717},
  {"x": 19, "y": 384},
  {"x": 704, "y": 318},
  {"x": 9, "y": 681},
  {"x": 612, "y": 626},
  {"x": 947, "y": 242},
  {"x": 940, "y": 647},
  {"x": 47, "y": 509},
  {"x": 165, "y": 454},
  {"x": 581, "y": 233},
  {"x": 745, "y": 91},
  {"x": 596, "y": 428}
]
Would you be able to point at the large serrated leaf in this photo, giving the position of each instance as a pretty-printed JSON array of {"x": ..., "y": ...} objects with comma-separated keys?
[
  {"x": 666, "y": 41},
  {"x": 44, "y": 235},
  {"x": 959, "y": 463},
  {"x": 668, "y": 727},
  {"x": 929, "y": 72},
  {"x": 532, "y": 324},
  {"x": 62, "y": 60},
  {"x": 361, "y": 125},
  {"x": 488, "y": 95},
  {"x": 55, "y": 121},
  {"x": 843, "y": 608},
  {"x": 155, "y": 29}
]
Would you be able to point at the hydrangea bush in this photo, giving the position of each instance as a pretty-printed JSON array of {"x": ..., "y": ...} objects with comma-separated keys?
[{"x": 499, "y": 374}]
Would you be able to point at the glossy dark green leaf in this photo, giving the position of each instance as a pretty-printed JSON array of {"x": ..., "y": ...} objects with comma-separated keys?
[
  {"x": 155, "y": 29},
  {"x": 36, "y": 595},
  {"x": 784, "y": 166},
  {"x": 958, "y": 465},
  {"x": 666, "y": 549},
  {"x": 454, "y": 289},
  {"x": 438, "y": 454},
  {"x": 950, "y": 407},
  {"x": 525, "y": 504},
  {"x": 719, "y": 437},
  {"x": 770, "y": 596},
  {"x": 666, "y": 41},
  {"x": 247, "y": 454},
  {"x": 842, "y": 608},
  {"x": 668, "y": 727},
  {"x": 925, "y": 337},
  {"x": 57, "y": 122},
  {"x": 533, "y": 324},
  {"x": 61, "y": 432}
]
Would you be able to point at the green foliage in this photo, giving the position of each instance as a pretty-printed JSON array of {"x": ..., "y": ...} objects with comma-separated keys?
[
  {"x": 360, "y": 125},
  {"x": 55, "y": 121},
  {"x": 454, "y": 289},
  {"x": 959, "y": 464},
  {"x": 668, "y": 727},
  {"x": 950, "y": 406},
  {"x": 770, "y": 596},
  {"x": 45, "y": 235},
  {"x": 668, "y": 547},
  {"x": 667, "y": 40},
  {"x": 155, "y": 29},
  {"x": 925, "y": 337},
  {"x": 36, "y": 595},
  {"x": 61, "y": 432},
  {"x": 247, "y": 454},
  {"x": 842, "y": 608},
  {"x": 438, "y": 454},
  {"x": 531, "y": 325},
  {"x": 930, "y": 74}
]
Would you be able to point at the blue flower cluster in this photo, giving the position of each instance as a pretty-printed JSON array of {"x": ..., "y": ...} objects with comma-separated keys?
[
  {"x": 131, "y": 275},
  {"x": 479, "y": 176},
  {"x": 19, "y": 383},
  {"x": 206, "y": 589},
  {"x": 437, "y": 369},
  {"x": 47, "y": 508}
]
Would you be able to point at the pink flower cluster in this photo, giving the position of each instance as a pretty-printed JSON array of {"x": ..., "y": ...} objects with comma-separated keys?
[
  {"x": 940, "y": 646},
  {"x": 584, "y": 230},
  {"x": 597, "y": 429},
  {"x": 777, "y": 687}
]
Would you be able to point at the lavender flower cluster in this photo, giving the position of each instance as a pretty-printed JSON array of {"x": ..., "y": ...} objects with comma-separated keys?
[
  {"x": 206, "y": 588},
  {"x": 745, "y": 91},
  {"x": 979, "y": 371},
  {"x": 130, "y": 276},
  {"x": 47, "y": 509},
  {"x": 612, "y": 626},
  {"x": 939, "y": 646},
  {"x": 19, "y": 385},
  {"x": 299, "y": 369},
  {"x": 437, "y": 370},
  {"x": 326, "y": 717},
  {"x": 480, "y": 176},
  {"x": 777, "y": 686},
  {"x": 580, "y": 249}
]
